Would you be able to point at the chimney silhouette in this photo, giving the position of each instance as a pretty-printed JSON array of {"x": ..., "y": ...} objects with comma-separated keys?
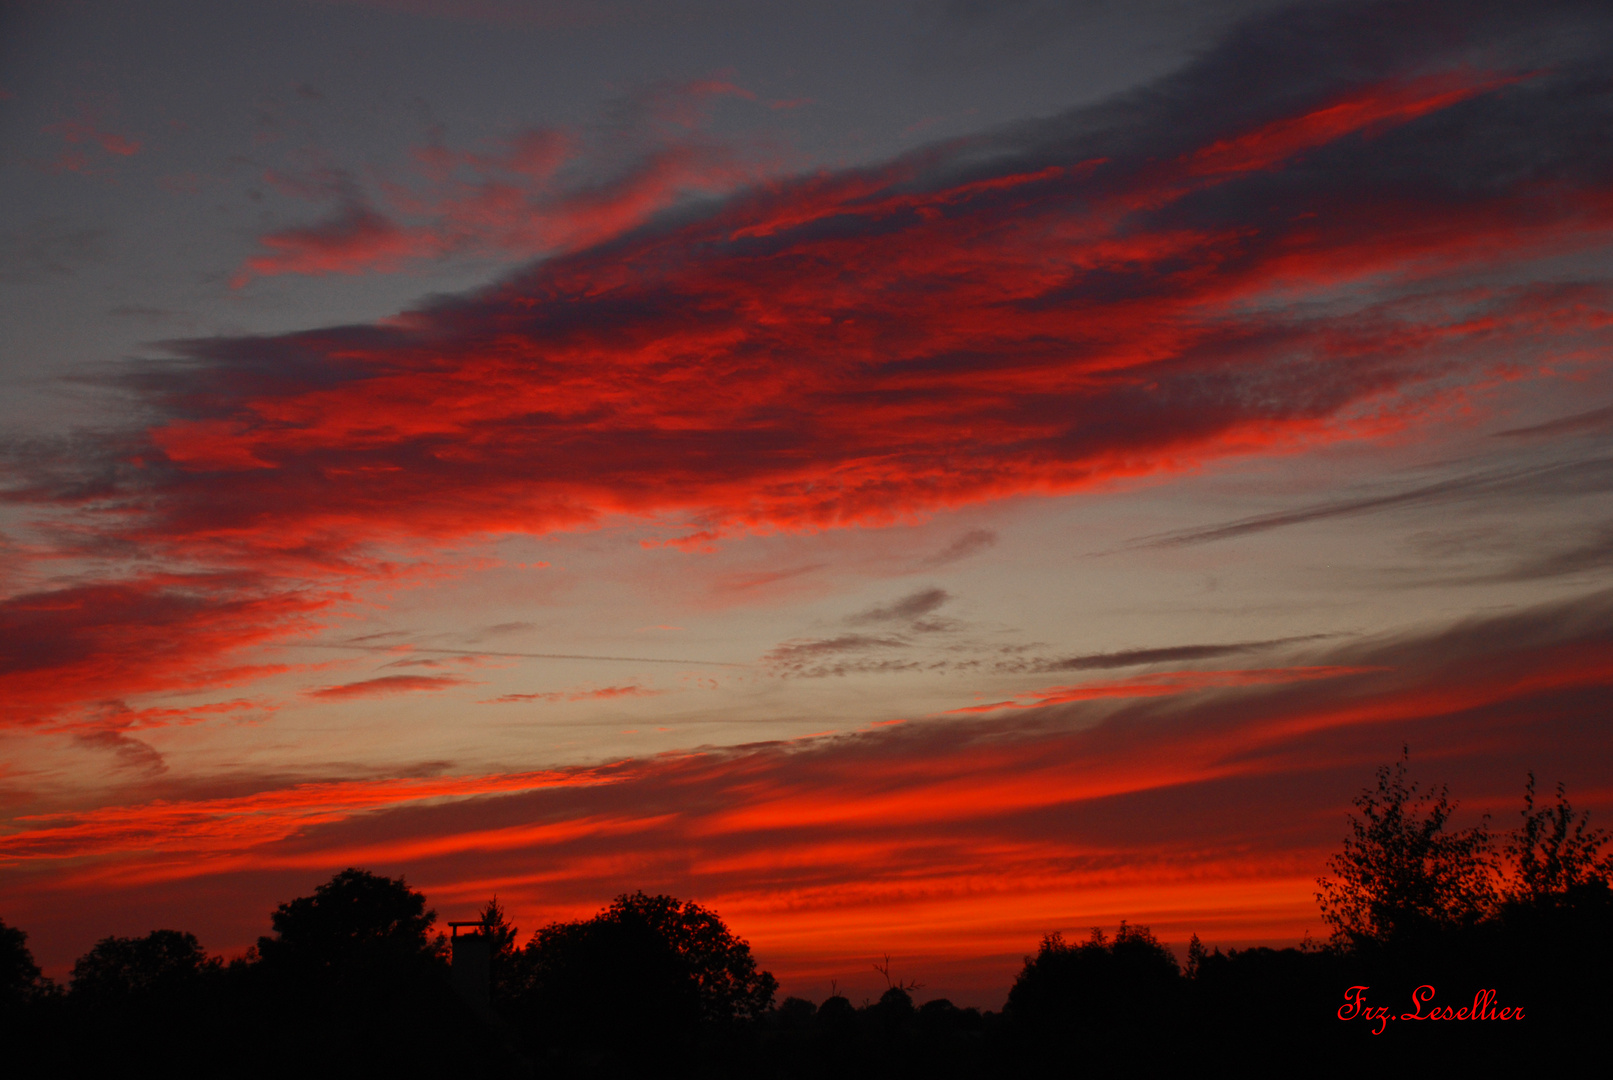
[{"x": 471, "y": 973}]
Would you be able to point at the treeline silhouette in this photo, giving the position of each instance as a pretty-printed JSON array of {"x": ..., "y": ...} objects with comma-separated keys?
[{"x": 1509, "y": 936}]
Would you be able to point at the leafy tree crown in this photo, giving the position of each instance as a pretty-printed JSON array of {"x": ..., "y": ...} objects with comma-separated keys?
[
  {"x": 1402, "y": 872},
  {"x": 682, "y": 948},
  {"x": 355, "y": 921},
  {"x": 1554, "y": 851},
  {"x": 162, "y": 962}
]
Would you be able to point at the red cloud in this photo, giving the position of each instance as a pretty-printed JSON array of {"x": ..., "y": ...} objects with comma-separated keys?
[
  {"x": 386, "y": 684},
  {"x": 355, "y": 241},
  {"x": 91, "y": 644},
  {"x": 86, "y": 128},
  {"x": 955, "y": 842},
  {"x": 514, "y": 206},
  {"x": 867, "y": 348},
  {"x": 1038, "y": 314},
  {"x": 227, "y": 822},
  {"x": 542, "y": 191},
  {"x": 1378, "y": 109},
  {"x": 1162, "y": 684}
]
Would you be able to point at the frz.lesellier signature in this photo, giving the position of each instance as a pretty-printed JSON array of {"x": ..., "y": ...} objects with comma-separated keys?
[{"x": 1355, "y": 1007}]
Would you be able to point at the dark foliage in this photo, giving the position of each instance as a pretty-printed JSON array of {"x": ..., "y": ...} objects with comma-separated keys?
[
  {"x": 165, "y": 965},
  {"x": 1401, "y": 874},
  {"x": 356, "y": 930},
  {"x": 1110, "y": 998},
  {"x": 353, "y": 981},
  {"x": 19, "y": 975},
  {"x": 1556, "y": 853},
  {"x": 1094, "y": 983},
  {"x": 503, "y": 956},
  {"x": 648, "y": 979},
  {"x": 353, "y": 978}
]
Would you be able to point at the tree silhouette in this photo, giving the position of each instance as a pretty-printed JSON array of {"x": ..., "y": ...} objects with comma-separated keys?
[
  {"x": 500, "y": 935},
  {"x": 1095, "y": 982},
  {"x": 1555, "y": 851},
  {"x": 20, "y": 977},
  {"x": 1401, "y": 874},
  {"x": 354, "y": 982},
  {"x": 644, "y": 979},
  {"x": 1102, "y": 1004},
  {"x": 357, "y": 926},
  {"x": 162, "y": 965},
  {"x": 727, "y": 984}
]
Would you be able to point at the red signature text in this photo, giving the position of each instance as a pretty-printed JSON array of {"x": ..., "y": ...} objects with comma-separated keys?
[{"x": 1483, "y": 1007}]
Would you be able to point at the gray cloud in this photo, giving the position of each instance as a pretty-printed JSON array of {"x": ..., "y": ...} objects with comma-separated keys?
[
  {"x": 50, "y": 248},
  {"x": 1167, "y": 654},
  {"x": 1558, "y": 478},
  {"x": 970, "y": 543},
  {"x": 131, "y": 753},
  {"x": 912, "y": 606},
  {"x": 137, "y": 311},
  {"x": 509, "y": 627},
  {"x": 794, "y": 652},
  {"x": 1588, "y": 551},
  {"x": 1594, "y": 420}
]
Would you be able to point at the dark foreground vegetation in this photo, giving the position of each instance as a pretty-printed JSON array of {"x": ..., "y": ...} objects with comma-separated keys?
[{"x": 1509, "y": 937}]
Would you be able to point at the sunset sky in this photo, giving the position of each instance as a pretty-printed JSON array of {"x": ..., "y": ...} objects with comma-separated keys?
[{"x": 910, "y": 476}]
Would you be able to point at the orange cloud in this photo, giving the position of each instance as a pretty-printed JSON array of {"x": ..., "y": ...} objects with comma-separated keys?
[
  {"x": 386, "y": 684},
  {"x": 954, "y": 842},
  {"x": 1161, "y": 684},
  {"x": 101, "y": 643}
]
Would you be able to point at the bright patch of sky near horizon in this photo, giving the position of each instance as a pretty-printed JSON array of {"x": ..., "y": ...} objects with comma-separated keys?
[{"x": 178, "y": 172}]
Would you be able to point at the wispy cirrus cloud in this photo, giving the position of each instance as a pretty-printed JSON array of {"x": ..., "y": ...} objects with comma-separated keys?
[
  {"x": 539, "y": 191},
  {"x": 590, "y": 693},
  {"x": 910, "y": 607},
  {"x": 385, "y": 685},
  {"x": 1584, "y": 475},
  {"x": 1190, "y": 812},
  {"x": 101, "y": 643},
  {"x": 1595, "y": 420},
  {"x": 1164, "y": 683},
  {"x": 804, "y": 655},
  {"x": 355, "y": 240},
  {"x": 972, "y": 542},
  {"x": 1167, "y": 654},
  {"x": 1044, "y": 310},
  {"x": 1305, "y": 236},
  {"x": 86, "y": 128}
]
